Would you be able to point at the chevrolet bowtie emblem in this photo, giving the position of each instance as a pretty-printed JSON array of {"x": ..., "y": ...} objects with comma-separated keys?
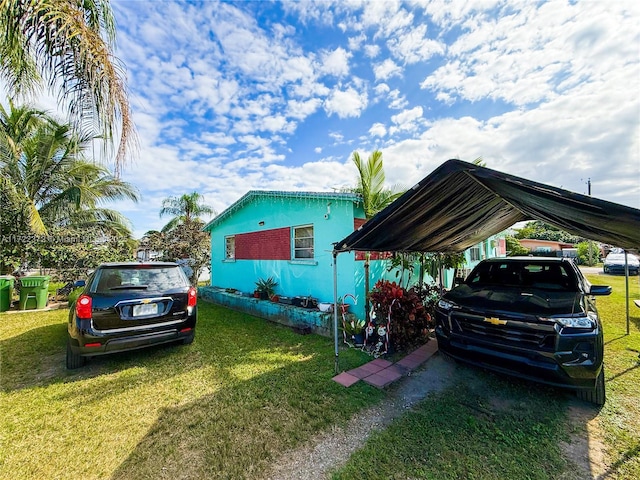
[{"x": 495, "y": 321}]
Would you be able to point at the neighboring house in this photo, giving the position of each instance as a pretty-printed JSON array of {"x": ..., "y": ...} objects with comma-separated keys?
[
  {"x": 545, "y": 246},
  {"x": 492, "y": 247},
  {"x": 144, "y": 253},
  {"x": 289, "y": 236}
]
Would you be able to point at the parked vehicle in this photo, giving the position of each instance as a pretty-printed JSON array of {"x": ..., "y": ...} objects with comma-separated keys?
[
  {"x": 614, "y": 263},
  {"x": 127, "y": 306},
  {"x": 531, "y": 317}
]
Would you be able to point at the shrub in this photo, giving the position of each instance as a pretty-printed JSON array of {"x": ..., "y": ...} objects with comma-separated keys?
[{"x": 410, "y": 311}]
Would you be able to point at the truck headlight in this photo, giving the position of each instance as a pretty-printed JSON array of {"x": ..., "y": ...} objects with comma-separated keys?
[
  {"x": 445, "y": 305},
  {"x": 575, "y": 322}
]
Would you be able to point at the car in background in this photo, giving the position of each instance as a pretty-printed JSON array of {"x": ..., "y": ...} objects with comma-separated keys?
[
  {"x": 530, "y": 317},
  {"x": 614, "y": 263},
  {"x": 126, "y": 306}
]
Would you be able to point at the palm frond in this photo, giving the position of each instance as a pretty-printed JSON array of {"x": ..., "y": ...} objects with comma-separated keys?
[{"x": 68, "y": 44}]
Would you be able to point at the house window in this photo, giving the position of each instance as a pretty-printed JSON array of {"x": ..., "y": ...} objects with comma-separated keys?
[
  {"x": 229, "y": 248},
  {"x": 303, "y": 242},
  {"x": 474, "y": 254}
]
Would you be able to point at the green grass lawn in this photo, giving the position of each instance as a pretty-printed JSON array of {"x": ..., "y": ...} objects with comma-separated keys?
[
  {"x": 486, "y": 426},
  {"x": 222, "y": 407},
  {"x": 620, "y": 417},
  {"x": 245, "y": 390}
]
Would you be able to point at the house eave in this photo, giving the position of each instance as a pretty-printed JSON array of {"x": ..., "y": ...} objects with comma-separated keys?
[{"x": 254, "y": 194}]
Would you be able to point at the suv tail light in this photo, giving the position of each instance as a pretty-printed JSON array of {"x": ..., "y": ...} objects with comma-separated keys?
[
  {"x": 83, "y": 306},
  {"x": 193, "y": 297}
]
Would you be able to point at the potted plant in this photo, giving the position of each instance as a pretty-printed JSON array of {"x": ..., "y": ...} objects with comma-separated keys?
[
  {"x": 266, "y": 288},
  {"x": 353, "y": 331}
]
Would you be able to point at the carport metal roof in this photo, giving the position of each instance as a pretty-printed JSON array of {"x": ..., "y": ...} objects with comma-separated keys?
[{"x": 460, "y": 204}]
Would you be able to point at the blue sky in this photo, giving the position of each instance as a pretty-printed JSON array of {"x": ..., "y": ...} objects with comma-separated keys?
[{"x": 234, "y": 96}]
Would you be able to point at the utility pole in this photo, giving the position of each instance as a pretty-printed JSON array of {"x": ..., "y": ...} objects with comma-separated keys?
[{"x": 590, "y": 242}]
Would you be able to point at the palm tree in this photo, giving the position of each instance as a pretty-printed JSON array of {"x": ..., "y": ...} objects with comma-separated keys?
[
  {"x": 47, "y": 179},
  {"x": 67, "y": 46},
  {"x": 185, "y": 209},
  {"x": 375, "y": 197}
]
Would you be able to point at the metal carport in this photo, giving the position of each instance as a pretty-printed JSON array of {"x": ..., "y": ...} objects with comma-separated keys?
[{"x": 460, "y": 204}]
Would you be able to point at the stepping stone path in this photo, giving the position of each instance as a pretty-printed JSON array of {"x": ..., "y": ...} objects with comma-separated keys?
[{"x": 380, "y": 372}]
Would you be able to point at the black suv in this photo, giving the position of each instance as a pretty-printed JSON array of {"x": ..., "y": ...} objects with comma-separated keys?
[
  {"x": 126, "y": 306},
  {"x": 534, "y": 318}
]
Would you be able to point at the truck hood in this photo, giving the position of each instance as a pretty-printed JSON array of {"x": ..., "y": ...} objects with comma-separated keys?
[{"x": 519, "y": 300}]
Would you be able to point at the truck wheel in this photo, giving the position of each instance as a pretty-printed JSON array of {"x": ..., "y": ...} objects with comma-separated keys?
[{"x": 595, "y": 395}]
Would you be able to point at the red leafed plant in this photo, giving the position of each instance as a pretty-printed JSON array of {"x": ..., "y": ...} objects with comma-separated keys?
[{"x": 410, "y": 310}]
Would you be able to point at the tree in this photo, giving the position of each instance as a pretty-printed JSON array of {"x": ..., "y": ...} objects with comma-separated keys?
[
  {"x": 588, "y": 253},
  {"x": 182, "y": 239},
  {"x": 184, "y": 209},
  {"x": 514, "y": 247},
  {"x": 370, "y": 187},
  {"x": 375, "y": 197},
  {"x": 188, "y": 243},
  {"x": 66, "y": 45},
  {"x": 540, "y": 230},
  {"x": 46, "y": 184},
  {"x": 46, "y": 174}
]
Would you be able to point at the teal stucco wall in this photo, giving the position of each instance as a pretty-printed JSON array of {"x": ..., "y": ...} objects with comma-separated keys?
[{"x": 332, "y": 217}]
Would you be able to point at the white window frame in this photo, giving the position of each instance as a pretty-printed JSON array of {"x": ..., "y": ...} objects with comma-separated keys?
[
  {"x": 295, "y": 249},
  {"x": 230, "y": 254},
  {"x": 475, "y": 252}
]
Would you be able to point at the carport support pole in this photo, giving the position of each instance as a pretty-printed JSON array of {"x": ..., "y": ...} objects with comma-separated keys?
[
  {"x": 626, "y": 278},
  {"x": 335, "y": 309}
]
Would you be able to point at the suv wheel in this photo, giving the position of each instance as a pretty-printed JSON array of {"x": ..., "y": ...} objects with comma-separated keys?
[
  {"x": 595, "y": 395},
  {"x": 73, "y": 359}
]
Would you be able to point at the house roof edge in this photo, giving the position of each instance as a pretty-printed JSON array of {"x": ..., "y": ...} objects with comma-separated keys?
[{"x": 252, "y": 194}]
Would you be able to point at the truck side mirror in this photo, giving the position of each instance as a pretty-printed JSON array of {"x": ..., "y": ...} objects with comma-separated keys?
[{"x": 599, "y": 290}]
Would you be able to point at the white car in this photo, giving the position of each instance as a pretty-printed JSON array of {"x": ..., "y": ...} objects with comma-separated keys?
[{"x": 614, "y": 263}]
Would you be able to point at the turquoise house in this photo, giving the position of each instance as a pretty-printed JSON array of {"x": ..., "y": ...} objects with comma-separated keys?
[{"x": 289, "y": 236}]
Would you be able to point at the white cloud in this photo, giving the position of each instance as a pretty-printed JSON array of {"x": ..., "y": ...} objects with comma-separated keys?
[
  {"x": 336, "y": 137},
  {"x": 413, "y": 45},
  {"x": 301, "y": 110},
  {"x": 386, "y": 16},
  {"x": 218, "y": 138},
  {"x": 397, "y": 100},
  {"x": 372, "y": 51},
  {"x": 355, "y": 43},
  {"x": 381, "y": 89},
  {"x": 522, "y": 59},
  {"x": 378, "y": 130},
  {"x": 346, "y": 103},
  {"x": 335, "y": 62},
  {"x": 276, "y": 123},
  {"x": 407, "y": 116},
  {"x": 237, "y": 97},
  {"x": 386, "y": 70}
]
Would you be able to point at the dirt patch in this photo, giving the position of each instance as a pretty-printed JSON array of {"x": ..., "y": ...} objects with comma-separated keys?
[{"x": 585, "y": 448}]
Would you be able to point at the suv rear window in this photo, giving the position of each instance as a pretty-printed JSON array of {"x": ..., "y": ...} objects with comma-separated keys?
[
  {"x": 147, "y": 278},
  {"x": 548, "y": 276}
]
